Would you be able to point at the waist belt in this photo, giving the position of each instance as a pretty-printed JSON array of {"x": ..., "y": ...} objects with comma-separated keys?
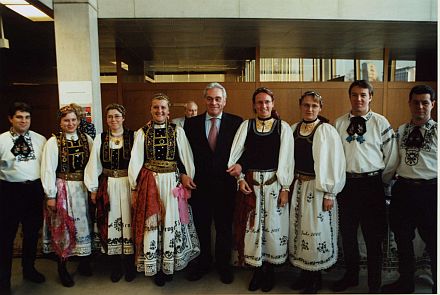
[
  {"x": 417, "y": 181},
  {"x": 77, "y": 176},
  {"x": 267, "y": 182},
  {"x": 160, "y": 166},
  {"x": 363, "y": 175},
  {"x": 304, "y": 177},
  {"x": 115, "y": 173}
]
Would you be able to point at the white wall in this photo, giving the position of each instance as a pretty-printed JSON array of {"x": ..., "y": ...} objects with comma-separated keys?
[{"x": 380, "y": 10}]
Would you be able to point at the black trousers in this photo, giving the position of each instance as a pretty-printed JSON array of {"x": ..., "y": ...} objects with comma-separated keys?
[
  {"x": 414, "y": 206},
  {"x": 19, "y": 203},
  {"x": 362, "y": 202},
  {"x": 213, "y": 202}
]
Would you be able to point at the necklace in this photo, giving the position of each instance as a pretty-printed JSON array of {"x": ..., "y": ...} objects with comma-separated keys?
[
  {"x": 116, "y": 138},
  {"x": 307, "y": 127}
]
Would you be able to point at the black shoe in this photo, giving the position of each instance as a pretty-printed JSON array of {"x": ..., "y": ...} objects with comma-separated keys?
[
  {"x": 346, "y": 282},
  {"x": 84, "y": 268},
  {"x": 402, "y": 285},
  {"x": 255, "y": 282},
  {"x": 116, "y": 274},
  {"x": 130, "y": 268},
  {"x": 130, "y": 274},
  {"x": 226, "y": 276},
  {"x": 196, "y": 273},
  {"x": 314, "y": 284},
  {"x": 31, "y": 274},
  {"x": 269, "y": 280},
  {"x": 301, "y": 282},
  {"x": 159, "y": 279},
  {"x": 65, "y": 278}
]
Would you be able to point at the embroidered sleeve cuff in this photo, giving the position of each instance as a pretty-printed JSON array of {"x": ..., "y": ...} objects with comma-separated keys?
[
  {"x": 329, "y": 196},
  {"x": 240, "y": 177},
  {"x": 285, "y": 188}
]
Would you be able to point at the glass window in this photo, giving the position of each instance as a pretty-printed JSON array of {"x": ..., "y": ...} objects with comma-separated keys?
[
  {"x": 344, "y": 70},
  {"x": 371, "y": 70},
  {"x": 405, "y": 71}
]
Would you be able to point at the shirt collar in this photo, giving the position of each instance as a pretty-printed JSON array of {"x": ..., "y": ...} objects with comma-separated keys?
[
  {"x": 208, "y": 117},
  {"x": 14, "y": 135},
  {"x": 427, "y": 126},
  {"x": 367, "y": 116}
]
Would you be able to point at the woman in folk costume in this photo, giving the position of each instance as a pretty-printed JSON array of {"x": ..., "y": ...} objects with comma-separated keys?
[
  {"x": 106, "y": 177},
  {"x": 160, "y": 174},
  {"x": 262, "y": 149},
  {"x": 319, "y": 176},
  {"x": 67, "y": 228}
]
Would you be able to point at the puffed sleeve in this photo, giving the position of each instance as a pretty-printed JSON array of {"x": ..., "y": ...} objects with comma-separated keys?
[
  {"x": 137, "y": 158},
  {"x": 237, "y": 148},
  {"x": 286, "y": 159},
  {"x": 94, "y": 166},
  {"x": 185, "y": 152},
  {"x": 329, "y": 158},
  {"x": 390, "y": 151},
  {"x": 49, "y": 164}
]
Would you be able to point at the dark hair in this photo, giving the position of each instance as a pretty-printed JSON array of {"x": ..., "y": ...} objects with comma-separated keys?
[
  {"x": 19, "y": 107},
  {"x": 362, "y": 84},
  {"x": 115, "y": 106},
  {"x": 423, "y": 89},
  {"x": 316, "y": 97},
  {"x": 262, "y": 90},
  {"x": 274, "y": 114}
]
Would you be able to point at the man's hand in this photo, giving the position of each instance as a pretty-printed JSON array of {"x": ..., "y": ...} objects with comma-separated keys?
[
  {"x": 234, "y": 170},
  {"x": 187, "y": 182},
  {"x": 244, "y": 187}
]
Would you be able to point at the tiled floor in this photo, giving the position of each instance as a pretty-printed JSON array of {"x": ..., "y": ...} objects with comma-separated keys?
[{"x": 100, "y": 283}]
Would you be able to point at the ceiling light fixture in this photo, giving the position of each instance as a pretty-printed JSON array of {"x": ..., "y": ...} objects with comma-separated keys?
[{"x": 27, "y": 10}]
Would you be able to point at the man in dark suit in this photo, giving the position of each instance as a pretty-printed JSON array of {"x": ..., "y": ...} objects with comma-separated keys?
[{"x": 210, "y": 135}]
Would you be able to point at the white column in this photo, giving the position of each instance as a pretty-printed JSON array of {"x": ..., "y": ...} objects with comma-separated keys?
[{"x": 77, "y": 51}]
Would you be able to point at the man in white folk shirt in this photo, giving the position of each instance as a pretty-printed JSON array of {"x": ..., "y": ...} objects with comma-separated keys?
[
  {"x": 371, "y": 155},
  {"x": 414, "y": 195},
  {"x": 21, "y": 194}
]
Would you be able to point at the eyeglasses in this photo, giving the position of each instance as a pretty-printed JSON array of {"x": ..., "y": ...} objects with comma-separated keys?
[{"x": 117, "y": 117}]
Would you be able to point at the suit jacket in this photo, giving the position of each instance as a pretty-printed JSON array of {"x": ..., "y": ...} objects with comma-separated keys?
[{"x": 212, "y": 165}]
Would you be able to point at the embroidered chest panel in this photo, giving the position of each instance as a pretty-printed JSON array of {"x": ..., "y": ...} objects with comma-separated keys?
[
  {"x": 412, "y": 153},
  {"x": 73, "y": 154},
  {"x": 160, "y": 143},
  {"x": 116, "y": 158}
]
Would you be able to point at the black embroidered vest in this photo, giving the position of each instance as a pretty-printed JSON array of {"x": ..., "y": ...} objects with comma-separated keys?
[
  {"x": 304, "y": 162},
  {"x": 73, "y": 155},
  {"x": 116, "y": 159},
  {"x": 262, "y": 149}
]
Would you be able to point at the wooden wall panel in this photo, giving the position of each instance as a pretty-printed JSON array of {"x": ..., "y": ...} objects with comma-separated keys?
[
  {"x": 397, "y": 102},
  {"x": 137, "y": 99}
]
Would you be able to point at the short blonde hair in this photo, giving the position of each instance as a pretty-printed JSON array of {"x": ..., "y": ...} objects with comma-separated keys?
[{"x": 161, "y": 96}]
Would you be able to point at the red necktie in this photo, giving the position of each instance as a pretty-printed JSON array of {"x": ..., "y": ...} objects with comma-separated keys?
[{"x": 212, "y": 136}]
